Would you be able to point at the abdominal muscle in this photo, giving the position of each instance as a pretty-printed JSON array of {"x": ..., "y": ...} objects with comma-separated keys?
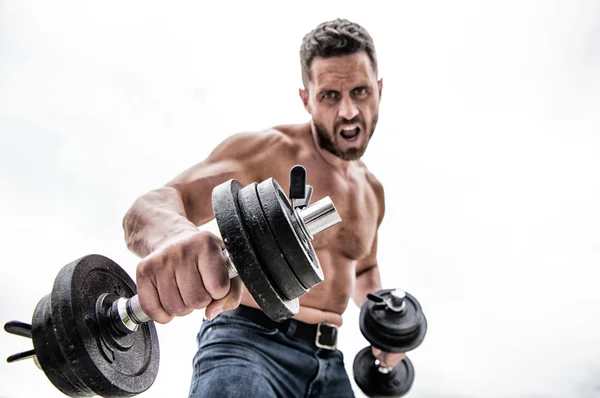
[{"x": 327, "y": 301}]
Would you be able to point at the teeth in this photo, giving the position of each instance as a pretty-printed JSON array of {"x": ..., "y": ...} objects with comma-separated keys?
[{"x": 350, "y": 132}]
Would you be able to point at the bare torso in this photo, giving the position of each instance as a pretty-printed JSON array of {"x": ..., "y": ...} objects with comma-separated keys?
[{"x": 340, "y": 248}]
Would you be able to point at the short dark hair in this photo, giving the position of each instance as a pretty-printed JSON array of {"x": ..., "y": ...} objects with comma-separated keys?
[{"x": 334, "y": 38}]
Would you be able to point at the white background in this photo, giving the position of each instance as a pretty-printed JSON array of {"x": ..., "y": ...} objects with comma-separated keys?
[{"x": 488, "y": 145}]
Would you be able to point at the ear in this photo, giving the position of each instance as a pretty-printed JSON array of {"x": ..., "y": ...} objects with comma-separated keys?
[
  {"x": 304, "y": 96},
  {"x": 380, "y": 86}
]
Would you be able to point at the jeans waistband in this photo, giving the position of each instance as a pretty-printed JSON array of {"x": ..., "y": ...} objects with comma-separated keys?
[{"x": 323, "y": 335}]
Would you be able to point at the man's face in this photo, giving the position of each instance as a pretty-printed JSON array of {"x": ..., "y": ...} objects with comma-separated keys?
[{"x": 343, "y": 97}]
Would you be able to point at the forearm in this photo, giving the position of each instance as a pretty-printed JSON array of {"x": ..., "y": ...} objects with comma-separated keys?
[
  {"x": 367, "y": 281},
  {"x": 153, "y": 218}
]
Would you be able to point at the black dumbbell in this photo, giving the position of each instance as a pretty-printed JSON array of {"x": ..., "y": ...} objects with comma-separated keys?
[
  {"x": 90, "y": 334},
  {"x": 392, "y": 321}
]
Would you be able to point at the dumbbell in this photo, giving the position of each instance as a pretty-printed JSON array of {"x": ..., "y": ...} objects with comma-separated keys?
[
  {"x": 90, "y": 334},
  {"x": 392, "y": 321}
]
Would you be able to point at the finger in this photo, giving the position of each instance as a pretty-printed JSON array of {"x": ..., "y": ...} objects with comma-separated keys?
[
  {"x": 150, "y": 302},
  {"x": 170, "y": 297},
  {"x": 191, "y": 287},
  {"x": 376, "y": 351},
  {"x": 219, "y": 241},
  {"x": 148, "y": 293},
  {"x": 230, "y": 301},
  {"x": 213, "y": 269},
  {"x": 388, "y": 359}
]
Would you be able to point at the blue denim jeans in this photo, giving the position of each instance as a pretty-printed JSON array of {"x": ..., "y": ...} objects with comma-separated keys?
[{"x": 239, "y": 358}]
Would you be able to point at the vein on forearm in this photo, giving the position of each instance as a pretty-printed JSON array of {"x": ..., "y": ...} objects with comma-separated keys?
[{"x": 154, "y": 217}]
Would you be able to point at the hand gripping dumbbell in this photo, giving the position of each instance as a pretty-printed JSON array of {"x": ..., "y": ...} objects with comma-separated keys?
[
  {"x": 392, "y": 321},
  {"x": 90, "y": 334}
]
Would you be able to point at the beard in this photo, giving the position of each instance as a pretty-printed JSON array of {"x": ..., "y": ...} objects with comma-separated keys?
[{"x": 327, "y": 141}]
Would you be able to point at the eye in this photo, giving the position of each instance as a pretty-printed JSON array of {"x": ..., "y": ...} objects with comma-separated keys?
[
  {"x": 360, "y": 91},
  {"x": 330, "y": 95}
]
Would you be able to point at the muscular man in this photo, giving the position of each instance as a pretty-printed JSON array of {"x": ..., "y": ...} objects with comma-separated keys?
[{"x": 241, "y": 352}]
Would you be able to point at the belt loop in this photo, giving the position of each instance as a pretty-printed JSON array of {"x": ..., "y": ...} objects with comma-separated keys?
[{"x": 291, "y": 328}]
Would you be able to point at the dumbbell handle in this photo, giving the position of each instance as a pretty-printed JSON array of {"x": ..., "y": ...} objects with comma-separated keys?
[
  {"x": 130, "y": 310},
  {"x": 319, "y": 216}
]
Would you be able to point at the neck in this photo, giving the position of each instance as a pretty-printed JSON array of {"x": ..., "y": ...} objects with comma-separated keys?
[{"x": 341, "y": 165}]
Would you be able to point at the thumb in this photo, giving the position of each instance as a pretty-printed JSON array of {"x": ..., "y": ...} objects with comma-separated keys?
[{"x": 231, "y": 300}]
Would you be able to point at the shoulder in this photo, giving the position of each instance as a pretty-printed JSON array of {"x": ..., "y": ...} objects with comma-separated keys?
[
  {"x": 257, "y": 154},
  {"x": 370, "y": 178},
  {"x": 248, "y": 143},
  {"x": 284, "y": 138}
]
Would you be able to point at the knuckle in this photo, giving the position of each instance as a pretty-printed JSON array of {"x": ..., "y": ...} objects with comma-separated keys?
[
  {"x": 198, "y": 246},
  {"x": 216, "y": 285},
  {"x": 210, "y": 242},
  {"x": 174, "y": 308},
  {"x": 144, "y": 269},
  {"x": 199, "y": 299},
  {"x": 170, "y": 254},
  {"x": 201, "y": 239}
]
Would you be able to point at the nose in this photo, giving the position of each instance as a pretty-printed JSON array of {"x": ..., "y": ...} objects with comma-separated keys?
[{"x": 348, "y": 109}]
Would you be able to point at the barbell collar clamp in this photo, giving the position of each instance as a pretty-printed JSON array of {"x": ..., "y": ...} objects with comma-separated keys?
[
  {"x": 303, "y": 202},
  {"x": 395, "y": 301}
]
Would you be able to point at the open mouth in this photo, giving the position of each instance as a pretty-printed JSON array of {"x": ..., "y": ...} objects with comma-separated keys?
[{"x": 350, "y": 133}]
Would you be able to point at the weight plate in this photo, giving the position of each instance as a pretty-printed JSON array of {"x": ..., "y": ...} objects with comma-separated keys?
[
  {"x": 293, "y": 243},
  {"x": 263, "y": 241},
  {"x": 49, "y": 354},
  {"x": 73, "y": 347},
  {"x": 238, "y": 244},
  {"x": 376, "y": 384},
  {"x": 393, "y": 331}
]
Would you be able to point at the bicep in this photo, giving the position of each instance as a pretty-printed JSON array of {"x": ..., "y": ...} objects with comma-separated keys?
[
  {"x": 368, "y": 279},
  {"x": 370, "y": 260}
]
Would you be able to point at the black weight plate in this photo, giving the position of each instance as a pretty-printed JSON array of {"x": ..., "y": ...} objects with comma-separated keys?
[
  {"x": 294, "y": 245},
  {"x": 238, "y": 245},
  {"x": 393, "y": 331},
  {"x": 69, "y": 340},
  {"x": 50, "y": 356},
  {"x": 376, "y": 384},
  {"x": 263, "y": 241}
]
